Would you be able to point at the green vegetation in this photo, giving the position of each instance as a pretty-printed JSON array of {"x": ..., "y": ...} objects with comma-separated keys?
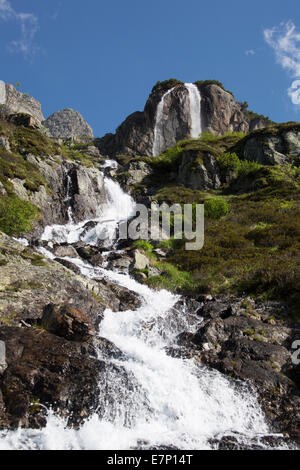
[
  {"x": 143, "y": 245},
  {"x": 230, "y": 162},
  {"x": 166, "y": 85},
  {"x": 252, "y": 224},
  {"x": 16, "y": 216},
  {"x": 215, "y": 208},
  {"x": 171, "y": 278}
]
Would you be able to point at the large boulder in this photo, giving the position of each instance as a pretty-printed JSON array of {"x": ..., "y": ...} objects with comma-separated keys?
[
  {"x": 46, "y": 370},
  {"x": 68, "y": 124},
  {"x": 67, "y": 322}
]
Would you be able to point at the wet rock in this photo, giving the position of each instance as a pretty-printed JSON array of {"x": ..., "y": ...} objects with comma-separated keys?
[
  {"x": 120, "y": 298},
  {"x": 67, "y": 264},
  {"x": 44, "y": 369},
  {"x": 119, "y": 262},
  {"x": 67, "y": 322},
  {"x": 237, "y": 338},
  {"x": 63, "y": 251},
  {"x": 3, "y": 364},
  {"x": 92, "y": 254}
]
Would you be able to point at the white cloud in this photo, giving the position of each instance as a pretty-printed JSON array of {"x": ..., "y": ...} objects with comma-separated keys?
[
  {"x": 29, "y": 25},
  {"x": 294, "y": 92},
  {"x": 285, "y": 40},
  {"x": 250, "y": 52}
]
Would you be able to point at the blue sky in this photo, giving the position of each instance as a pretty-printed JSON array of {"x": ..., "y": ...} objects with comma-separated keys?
[{"x": 102, "y": 58}]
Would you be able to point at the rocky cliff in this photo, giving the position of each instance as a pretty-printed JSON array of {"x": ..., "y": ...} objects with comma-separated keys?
[
  {"x": 220, "y": 113},
  {"x": 17, "y": 102},
  {"x": 48, "y": 176},
  {"x": 68, "y": 124}
]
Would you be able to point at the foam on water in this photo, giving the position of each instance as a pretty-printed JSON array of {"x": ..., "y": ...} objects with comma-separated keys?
[{"x": 177, "y": 403}]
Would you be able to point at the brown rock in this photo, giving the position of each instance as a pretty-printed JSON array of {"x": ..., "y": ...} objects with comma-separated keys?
[{"x": 67, "y": 322}]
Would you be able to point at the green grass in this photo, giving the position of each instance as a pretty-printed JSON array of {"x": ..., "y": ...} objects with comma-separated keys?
[{"x": 144, "y": 245}]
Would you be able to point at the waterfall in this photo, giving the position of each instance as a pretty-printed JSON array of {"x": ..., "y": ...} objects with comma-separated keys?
[
  {"x": 159, "y": 141},
  {"x": 68, "y": 198},
  {"x": 120, "y": 206},
  {"x": 176, "y": 403},
  {"x": 195, "y": 109},
  {"x": 2, "y": 92}
]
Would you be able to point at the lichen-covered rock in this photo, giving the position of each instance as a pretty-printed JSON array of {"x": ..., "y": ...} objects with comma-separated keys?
[
  {"x": 275, "y": 145},
  {"x": 204, "y": 174},
  {"x": 68, "y": 124}
]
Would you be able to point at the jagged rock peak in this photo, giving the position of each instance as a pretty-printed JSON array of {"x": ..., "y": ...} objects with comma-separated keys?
[
  {"x": 68, "y": 124},
  {"x": 16, "y": 102}
]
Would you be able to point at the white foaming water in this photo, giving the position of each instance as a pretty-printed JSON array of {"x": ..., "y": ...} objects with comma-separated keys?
[
  {"x": 186, "y": 405},
  {"x": 159, "y": 141},
  {"x": 2, "y": 92},
  {"x": 195, "y": 109},
  {"x": 167, "y": 401},
  {"x": 120, "y": 206}
]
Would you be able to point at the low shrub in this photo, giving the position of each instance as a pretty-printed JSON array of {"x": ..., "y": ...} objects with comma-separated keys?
[
  {"x": 215, "y": 208},
  {"x": 16, "y": 215}
]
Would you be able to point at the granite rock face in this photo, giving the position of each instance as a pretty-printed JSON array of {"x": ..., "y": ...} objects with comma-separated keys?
[
  {"x": 17, "y": 102},
  {"x": 68, "y": 124},
  {"x": 274, "y": 146},
  {"x": 220, "y": 113}
]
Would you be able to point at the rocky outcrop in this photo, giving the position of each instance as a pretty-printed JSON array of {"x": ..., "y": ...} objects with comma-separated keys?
[
  {"x": 250, "y": 341},
  {"x": 220, "y": 113},
  {"x": 68, "y": 124},
  {"x": 86, "y": 191},
  {"x": 17, "y": 102},
  {"x": 201, "y": 174},
  {"x": 275, "y": 145}
]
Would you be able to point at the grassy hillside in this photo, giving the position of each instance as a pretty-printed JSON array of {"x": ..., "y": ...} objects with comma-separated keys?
[{"x": 253, "y": 245}]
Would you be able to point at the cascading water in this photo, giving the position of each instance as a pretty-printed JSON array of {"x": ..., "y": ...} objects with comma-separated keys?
[
  {"x": 159, "y": 141},
  {"x": 2, "y": 92},
  {"x": 175, "y": 403},
  {"x": 120, "y": 206},
  {"x": 159, "y": 144},
  {"x": 195, "y": 109}
]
